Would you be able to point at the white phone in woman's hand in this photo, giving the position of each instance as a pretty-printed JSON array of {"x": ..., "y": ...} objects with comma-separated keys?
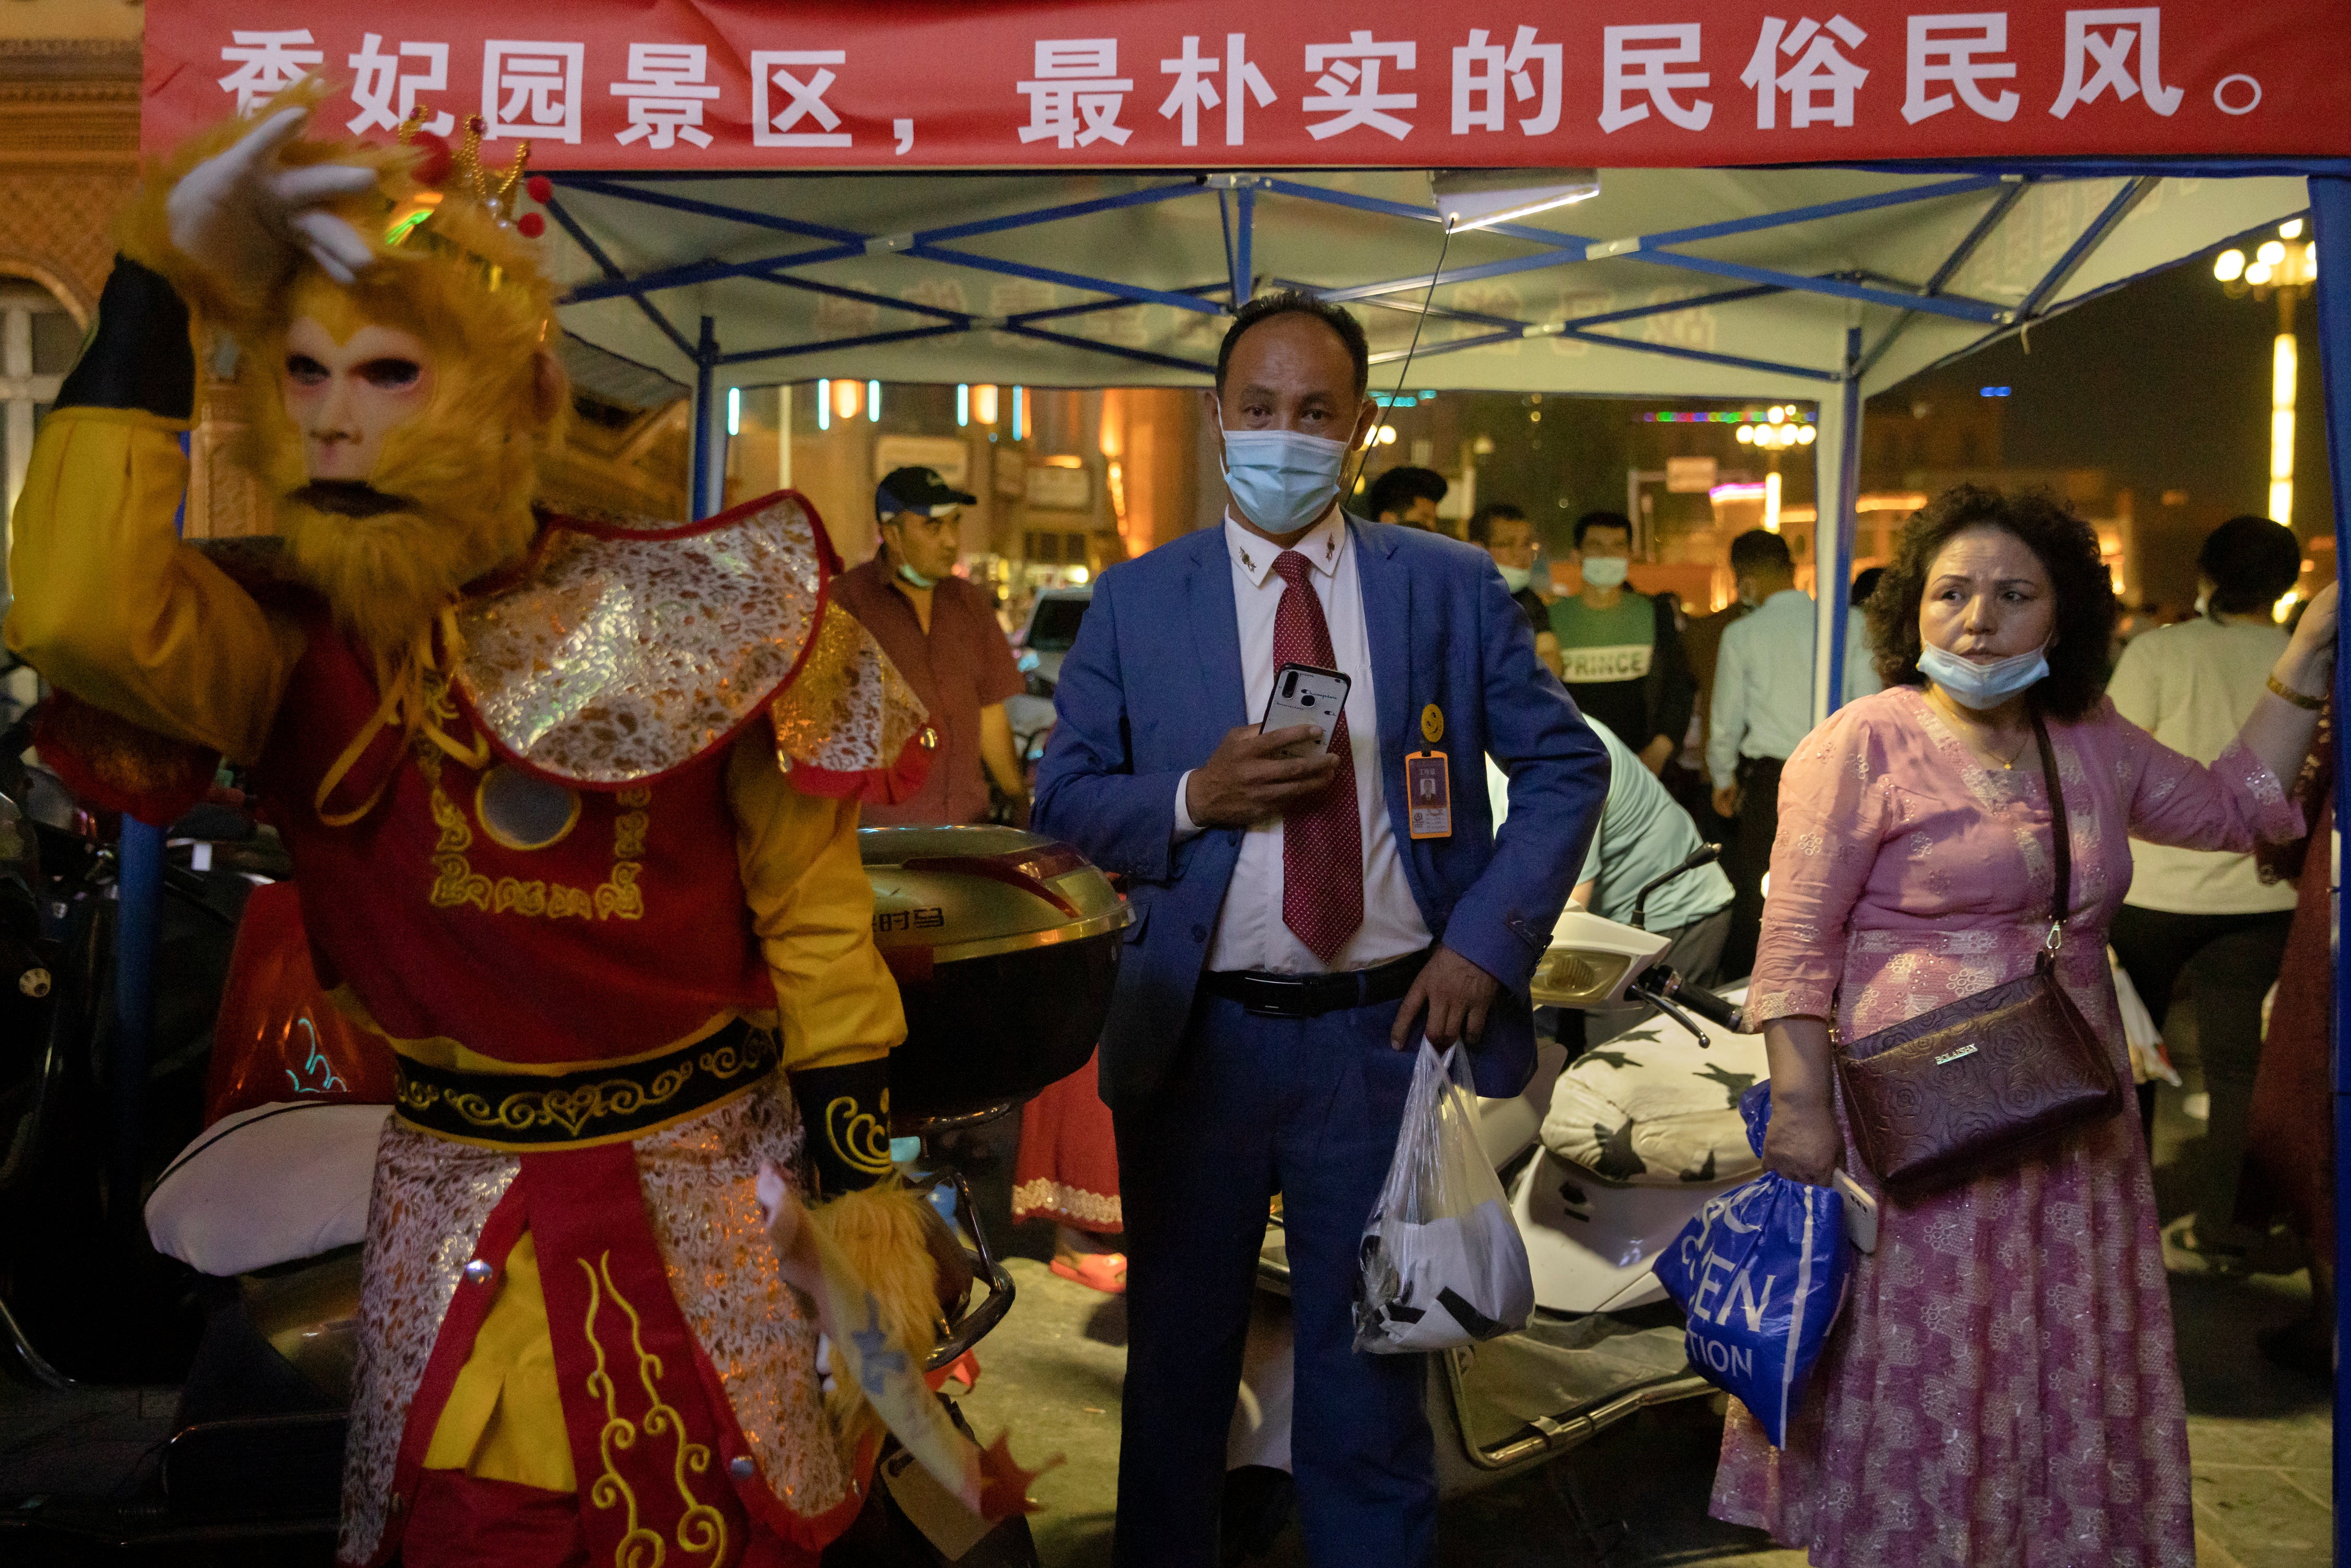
[
  {"x": 1860, "y": 1214},
  {"x": 1304, "y": 693}
]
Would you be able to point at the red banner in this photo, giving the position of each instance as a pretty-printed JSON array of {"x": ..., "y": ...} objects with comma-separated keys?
[{"x": 855, "y": 84}]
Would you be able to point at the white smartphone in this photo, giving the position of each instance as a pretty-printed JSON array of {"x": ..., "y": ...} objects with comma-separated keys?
[
  {"x": 1303, "y": 694},
  {"x": 1860, "y": 1214}
]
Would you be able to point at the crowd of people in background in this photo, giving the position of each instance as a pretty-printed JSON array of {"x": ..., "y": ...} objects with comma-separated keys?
[{"x": 1710, "y": 703}]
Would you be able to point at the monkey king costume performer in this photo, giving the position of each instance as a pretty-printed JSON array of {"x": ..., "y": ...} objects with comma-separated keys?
[{"x": 572, "y": 808}]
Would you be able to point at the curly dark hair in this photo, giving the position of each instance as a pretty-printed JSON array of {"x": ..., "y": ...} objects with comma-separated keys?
[{"x": 2068, "y": 550}]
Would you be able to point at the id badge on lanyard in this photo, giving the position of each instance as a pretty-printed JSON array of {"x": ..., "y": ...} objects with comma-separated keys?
[{"x": 1429, "y": 794}]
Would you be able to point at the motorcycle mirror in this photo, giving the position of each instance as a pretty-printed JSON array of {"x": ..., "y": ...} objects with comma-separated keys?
[{"x": 1705, "y": 854}]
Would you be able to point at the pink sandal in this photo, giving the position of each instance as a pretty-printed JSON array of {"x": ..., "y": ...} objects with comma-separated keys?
[{"x": 1103, "y": 1271}]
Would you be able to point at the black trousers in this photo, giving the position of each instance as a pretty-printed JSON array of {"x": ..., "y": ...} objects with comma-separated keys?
[
  {"x": 1749, "y": 859},
  {"x": 2233, "y": 960}
]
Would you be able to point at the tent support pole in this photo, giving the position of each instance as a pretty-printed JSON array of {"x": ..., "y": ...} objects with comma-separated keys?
[
  {"x": 709, "y": 477},
  {"x": 1838, "y": 486},
  {"x": 2330, "y": 205}
]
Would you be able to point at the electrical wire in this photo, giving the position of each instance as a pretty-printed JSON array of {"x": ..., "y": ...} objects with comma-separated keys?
[{"x": 1403, "y": 372}]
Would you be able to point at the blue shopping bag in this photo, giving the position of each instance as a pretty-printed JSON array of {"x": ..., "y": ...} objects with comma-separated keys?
[{"x": 1761, "y": 1274}]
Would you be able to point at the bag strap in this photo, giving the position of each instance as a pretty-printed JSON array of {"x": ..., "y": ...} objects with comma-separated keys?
[{"x": 2061, "y": 840}]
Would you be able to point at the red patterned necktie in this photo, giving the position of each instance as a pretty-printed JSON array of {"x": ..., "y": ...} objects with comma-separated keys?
[{"x": 1322, "y": 840}]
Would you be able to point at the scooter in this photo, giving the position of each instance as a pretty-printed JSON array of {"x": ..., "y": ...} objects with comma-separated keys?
[{"x": 1605, "y": 1156}]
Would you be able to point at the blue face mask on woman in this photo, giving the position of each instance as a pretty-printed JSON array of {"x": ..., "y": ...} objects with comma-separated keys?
[
  {"x": 1981, "y": 687},
  {"x": 1280, "y": 479}
]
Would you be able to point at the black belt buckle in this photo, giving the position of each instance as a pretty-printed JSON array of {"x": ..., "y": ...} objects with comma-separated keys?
[{"x": 1284, "y": 996}]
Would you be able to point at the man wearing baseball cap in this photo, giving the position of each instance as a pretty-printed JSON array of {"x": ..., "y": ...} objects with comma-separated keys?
[{"x": 941, "y": 633}]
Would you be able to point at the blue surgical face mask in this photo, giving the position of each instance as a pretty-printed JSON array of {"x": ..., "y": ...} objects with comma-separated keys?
[
  {"x": 1516, "y": 577},
  {"x": 1281, "y": 481},
  {"x": 1981, "y": 687},
  {"x": 1606, "y": 570},
  {"x": 916, "y": 578}
]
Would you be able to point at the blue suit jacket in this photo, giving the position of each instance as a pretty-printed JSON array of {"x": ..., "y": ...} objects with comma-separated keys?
[{"x": 1155, "y": 681}]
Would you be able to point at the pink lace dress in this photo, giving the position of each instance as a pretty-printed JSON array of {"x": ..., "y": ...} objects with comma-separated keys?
[{"x": 2001, "y": 1388}]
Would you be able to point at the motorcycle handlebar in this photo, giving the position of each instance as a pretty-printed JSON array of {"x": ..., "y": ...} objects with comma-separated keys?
[
  {"x": 1662, "y": 984},
  {"x": 1710, "y": 1007}
]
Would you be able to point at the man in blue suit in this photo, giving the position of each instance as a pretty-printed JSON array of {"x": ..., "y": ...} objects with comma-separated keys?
[{"x": 1296, "y": 929}]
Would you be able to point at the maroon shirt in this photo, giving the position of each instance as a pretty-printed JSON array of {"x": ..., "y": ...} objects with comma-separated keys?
[{"x": 964, "y": 666}]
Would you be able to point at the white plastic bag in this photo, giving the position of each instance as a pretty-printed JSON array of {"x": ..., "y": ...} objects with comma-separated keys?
[
  {"x": 2143, "y": 1032},
  {"x": 1443, "y": 1264}
]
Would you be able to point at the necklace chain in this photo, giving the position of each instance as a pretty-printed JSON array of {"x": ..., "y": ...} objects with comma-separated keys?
[{"x": 1975, "y": 732}]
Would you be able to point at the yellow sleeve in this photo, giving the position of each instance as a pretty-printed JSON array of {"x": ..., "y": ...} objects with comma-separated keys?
[
  {"x": 813, "y": 911},
  {"x": 110, "y": 605}
]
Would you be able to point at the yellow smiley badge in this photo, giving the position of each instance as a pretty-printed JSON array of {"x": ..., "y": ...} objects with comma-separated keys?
[{"x": 1432, "y": 724}]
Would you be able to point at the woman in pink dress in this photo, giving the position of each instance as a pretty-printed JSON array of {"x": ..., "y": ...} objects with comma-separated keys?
[{"x": 2001, "y": 1387}]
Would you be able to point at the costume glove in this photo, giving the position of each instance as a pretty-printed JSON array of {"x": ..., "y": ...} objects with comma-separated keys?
[
  {"x": 242, "y": 215},
  {"x": 846, "y": 1111}
]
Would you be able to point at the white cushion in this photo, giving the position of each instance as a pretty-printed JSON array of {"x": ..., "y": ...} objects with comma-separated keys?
[
  {"x": 1654, "y": 1108},
  {"x": 268, "y": 1186}
]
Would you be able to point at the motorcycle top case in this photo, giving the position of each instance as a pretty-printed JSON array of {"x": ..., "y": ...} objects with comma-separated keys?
[
  {"x": 1443, "y": 1262},
  {"x": 1761, "y": 1273}
]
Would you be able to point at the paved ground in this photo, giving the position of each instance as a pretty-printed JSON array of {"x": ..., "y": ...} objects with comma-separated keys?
[{"x": 1635, "y": 1498}]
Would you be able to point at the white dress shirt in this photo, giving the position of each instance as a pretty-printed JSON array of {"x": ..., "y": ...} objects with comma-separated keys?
[
  {"x": 1763, "y": 682},
  {"x": 2191, "y": 687},
  {"x": 1249, "y": 932}
]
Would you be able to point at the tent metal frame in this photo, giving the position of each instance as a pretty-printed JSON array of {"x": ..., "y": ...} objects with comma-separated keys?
[{"x": 1238, "y": 196}]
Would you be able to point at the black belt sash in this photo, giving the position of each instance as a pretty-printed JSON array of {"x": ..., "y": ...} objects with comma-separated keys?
[
  {"x": 525, "y": 1111},
  {"x": 1312, "y": 996}
]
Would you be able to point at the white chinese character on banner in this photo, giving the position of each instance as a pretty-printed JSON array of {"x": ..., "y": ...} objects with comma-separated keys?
[
  {"x": 373, "y": 88},
  {"x": 1821, "y": 84},
  {"x": 772, "y": 124},
  {"x": 531, "y": 89},
  {"x": 270, "y": 63},
  {"x": 2106, "y": 36},
  {"x": 1479, "y": 70},
  {"x": 1633, "y": 60},
  {"x": 1350, "y": 93},
  {"x": 1944, "y": 49},
  {"x": 667, "y": 86},
  {"x": 1078, "y": 93},
  {"x": 1194, "y": 91}
]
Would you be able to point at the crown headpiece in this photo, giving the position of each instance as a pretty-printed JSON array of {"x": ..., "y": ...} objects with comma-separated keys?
[{"x": 458, "y": 175}]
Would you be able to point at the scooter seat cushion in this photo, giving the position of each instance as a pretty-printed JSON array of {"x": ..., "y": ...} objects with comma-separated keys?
[
  {"x": 1654, "y": 1108},
  {"x": 268, "y": 1186}
]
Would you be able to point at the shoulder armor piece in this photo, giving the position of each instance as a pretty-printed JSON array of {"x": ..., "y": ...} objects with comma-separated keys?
[
  {"x": 629, "y": 648},
  {"x": 851, "y": 725}
]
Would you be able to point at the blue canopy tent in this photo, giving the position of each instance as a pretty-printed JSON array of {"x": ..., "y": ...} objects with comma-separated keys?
[{"x": 1820, "y": 284}]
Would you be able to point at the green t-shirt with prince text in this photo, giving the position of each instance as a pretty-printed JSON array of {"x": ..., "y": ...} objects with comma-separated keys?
[{"x": 1604, "y": 657}]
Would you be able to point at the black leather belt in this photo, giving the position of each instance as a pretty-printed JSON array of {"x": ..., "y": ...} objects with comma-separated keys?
[{"x": 1310, "y": 996}]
